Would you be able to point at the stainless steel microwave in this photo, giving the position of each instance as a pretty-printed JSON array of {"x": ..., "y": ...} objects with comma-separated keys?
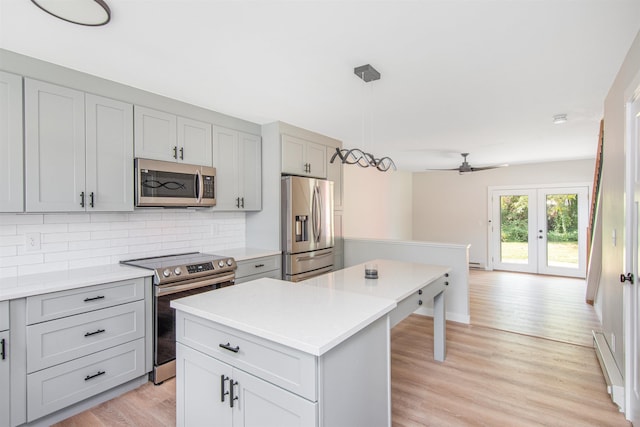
[{"x": 169, "y": 184}]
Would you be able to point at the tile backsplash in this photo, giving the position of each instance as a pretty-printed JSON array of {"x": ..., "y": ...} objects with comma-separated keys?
[{"x": 71, "y": 240}]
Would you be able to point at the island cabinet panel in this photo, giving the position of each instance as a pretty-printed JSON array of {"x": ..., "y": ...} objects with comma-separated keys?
[
  {"x": 211, "y": 392},
  {"x": 287, "y": 368},
  {"x": 350, "y": 381}
]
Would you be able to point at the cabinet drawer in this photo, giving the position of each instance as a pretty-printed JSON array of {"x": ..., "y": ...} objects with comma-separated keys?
[
  {"x": 257, "y": 265},
  {"x": 4, "y": 315},
  {"x": 61, "y": 340},
  {"x": 60, "y": 386},
  {"x": 288, "y": 368},
  {"x": 415, "y": 301},
  {"x": 273, "y": 274},
  {"x": 74, "y": 301}
]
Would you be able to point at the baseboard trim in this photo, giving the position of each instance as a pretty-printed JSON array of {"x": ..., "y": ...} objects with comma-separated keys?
[{"x": 612, "y": 375}]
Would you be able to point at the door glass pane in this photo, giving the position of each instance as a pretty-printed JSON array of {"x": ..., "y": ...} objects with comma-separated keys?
[
  {"x": 514, "y": 229},
  {"x": 562, "y": 230}
]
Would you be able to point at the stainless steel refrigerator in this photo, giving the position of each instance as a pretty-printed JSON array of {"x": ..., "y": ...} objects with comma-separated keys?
[{"x": 307, "y": 227}]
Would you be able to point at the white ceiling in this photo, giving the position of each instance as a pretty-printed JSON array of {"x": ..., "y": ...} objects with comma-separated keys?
[{"x": 483, "y": 76}]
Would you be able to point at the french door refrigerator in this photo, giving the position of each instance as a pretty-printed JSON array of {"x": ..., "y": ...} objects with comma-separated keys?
[{"x": 307, "y": 227}]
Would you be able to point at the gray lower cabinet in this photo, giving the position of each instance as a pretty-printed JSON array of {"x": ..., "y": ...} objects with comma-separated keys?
[
  {"x": 256, "y": 268},
  {"x": 82, "y": 342},
  {"x": 227, "y": 377},
  {"x": 5, "y": 392},
  {"x": 215, "y": 393},
  {"x": 78, "y": 150},
  {"x": 11, "y": 149}
]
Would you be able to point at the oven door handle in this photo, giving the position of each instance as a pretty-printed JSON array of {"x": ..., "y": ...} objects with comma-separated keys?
[{"x": 175, "y": 288}]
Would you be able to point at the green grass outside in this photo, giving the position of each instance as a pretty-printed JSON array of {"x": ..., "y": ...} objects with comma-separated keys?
[{"x": 560, "y": 254}]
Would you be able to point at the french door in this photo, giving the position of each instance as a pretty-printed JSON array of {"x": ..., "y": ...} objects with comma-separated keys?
[{"x": 539, "y": 230}]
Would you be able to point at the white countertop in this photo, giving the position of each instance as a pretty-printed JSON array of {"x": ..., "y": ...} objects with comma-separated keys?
[
  {"x": 307, "y": 318},
  {"x": 35, "y": 284},
  {"x": 314, "y": 315},
  {"x": 242, "y": 254},
  {"x": 396, "y": 280}
]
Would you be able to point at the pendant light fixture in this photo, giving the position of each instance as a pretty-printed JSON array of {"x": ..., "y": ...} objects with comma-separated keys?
[
  {"x": 357, "y": 156},
  {"x": 92, "y": 13}
]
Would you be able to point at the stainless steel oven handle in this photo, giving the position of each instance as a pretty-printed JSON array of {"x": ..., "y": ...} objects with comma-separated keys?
[{"x": 175, "y": 288}]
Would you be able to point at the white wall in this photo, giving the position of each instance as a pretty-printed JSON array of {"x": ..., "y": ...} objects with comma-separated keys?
[
  {"x": 377, "y": 205},
  {"x": 613, "y": 176},
  {"x": 89, "y": 239},
  {"x": 449, "y": 207}
]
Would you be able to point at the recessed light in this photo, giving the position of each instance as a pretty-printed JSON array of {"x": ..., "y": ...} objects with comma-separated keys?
[
  {"x": 559, "y": 118},
  {"x": 83, "y": 12}
]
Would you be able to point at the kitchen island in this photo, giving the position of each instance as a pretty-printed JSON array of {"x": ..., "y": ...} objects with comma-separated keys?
[{"x": 315, "y": 353}]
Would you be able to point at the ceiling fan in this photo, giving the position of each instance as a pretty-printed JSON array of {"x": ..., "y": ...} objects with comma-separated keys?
[{"x": 465, "y": 167}]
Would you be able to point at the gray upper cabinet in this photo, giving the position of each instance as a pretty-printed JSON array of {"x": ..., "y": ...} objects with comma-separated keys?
[
  {"x": 238, "y": 161},
  {"x": 11, "y": 152},
  {"x": 109, "y": 149},
  {"x": 165, "y": 136},
  {"x": 54, "y": 148},
  {"x": 78, "y": 154},
  {"x": 302, "y": 157}
]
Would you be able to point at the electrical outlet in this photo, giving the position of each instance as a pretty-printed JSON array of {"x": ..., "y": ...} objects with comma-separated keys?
[{"x": 32, "y": 242}]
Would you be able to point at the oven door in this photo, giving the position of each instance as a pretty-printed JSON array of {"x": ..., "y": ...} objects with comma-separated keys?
[{"x": 164, "y": 328}]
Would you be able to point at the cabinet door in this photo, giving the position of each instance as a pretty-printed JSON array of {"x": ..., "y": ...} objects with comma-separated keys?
[
  {"x": 334, "y": 173},
  {"x": 293, "y": 155},
  {"x": 155, "y": 134},
  {"x": 250, "y": 170},
  {"x": 4, "y": 378},
  {"x": 54, "y": 147},
  {"x": 11, "y": 154},
  {"x": 317, "y": 160},
  {"x": 194, "y": 142},
  {"x": 200, "y": 389},
  {"x": 109, "y": 146},
  {"x": 225, "y": 156},
  {"x": 261, "y": 404}
]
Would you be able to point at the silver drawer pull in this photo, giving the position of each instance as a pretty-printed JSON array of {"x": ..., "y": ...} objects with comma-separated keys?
[
  {"x": 227, "y": 346},
  {"x": 259, "y": 265},
  {"x": 94, "y": 298},
  {"x": 99, "y": 331},
  {"x": 88, "y": 377}
]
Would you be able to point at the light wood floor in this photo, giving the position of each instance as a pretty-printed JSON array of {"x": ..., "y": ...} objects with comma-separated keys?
[{"x": 525, "y": 360}]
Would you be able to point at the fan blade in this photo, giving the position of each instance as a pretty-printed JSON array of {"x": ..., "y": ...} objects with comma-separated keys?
[{"x": 489, "y": 167}]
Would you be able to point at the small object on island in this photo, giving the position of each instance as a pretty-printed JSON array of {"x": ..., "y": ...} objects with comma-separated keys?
[{"x": 371, "y": 271}]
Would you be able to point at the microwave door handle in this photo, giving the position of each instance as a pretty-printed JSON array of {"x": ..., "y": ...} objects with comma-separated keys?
[{"x": 199, "y": 186}]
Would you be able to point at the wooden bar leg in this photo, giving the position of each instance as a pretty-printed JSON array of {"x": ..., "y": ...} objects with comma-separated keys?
[{"x": 439, "y": 328}]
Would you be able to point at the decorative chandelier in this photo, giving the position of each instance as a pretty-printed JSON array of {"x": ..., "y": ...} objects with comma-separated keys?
[{"x": 356, "y": 156}]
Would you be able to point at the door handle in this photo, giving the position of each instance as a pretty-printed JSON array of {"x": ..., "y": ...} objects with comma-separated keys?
[
  {"x": 175, "y": 152},
  {"x": 223, "y": 393},
  {"x": 181, "y": 153},
  {"x": 91, "y": 197},
  {"x": 628, "y": 278},
  {"x": 82, "y": 199}
]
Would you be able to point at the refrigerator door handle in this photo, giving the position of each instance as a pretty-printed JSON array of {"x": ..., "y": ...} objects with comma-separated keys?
[{"x": 317, "y": 214}]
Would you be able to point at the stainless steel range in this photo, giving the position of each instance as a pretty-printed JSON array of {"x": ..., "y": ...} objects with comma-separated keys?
[{"x": 178, "y": 276}]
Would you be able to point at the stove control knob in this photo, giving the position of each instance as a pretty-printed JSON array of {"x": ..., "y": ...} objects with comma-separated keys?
[
  {"x": 221, "y": 263},
  {"x": 229, "y": 262},
  {"x": 177, "y": 271},
  {"x": 166, "y": 272}
]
